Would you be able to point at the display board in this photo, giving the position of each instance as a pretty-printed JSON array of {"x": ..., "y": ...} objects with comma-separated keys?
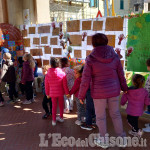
[
  {"x": 139, "y": 39},
  {"x": 49, "y": 40}
]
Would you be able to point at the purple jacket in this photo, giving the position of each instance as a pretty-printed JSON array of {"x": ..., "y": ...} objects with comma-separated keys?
[
  {"x": 104, "y": 68},
  {"x": 136, "y": 98},
  {"x": 27, "y": 73}
]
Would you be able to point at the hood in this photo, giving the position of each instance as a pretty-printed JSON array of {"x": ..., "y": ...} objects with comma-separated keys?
[
  {"x": 9, "y": 62},
  {"x": 104, "y": 54},
  {"x": 56, "y": 73},
  {"x": 136, "y": 93}
]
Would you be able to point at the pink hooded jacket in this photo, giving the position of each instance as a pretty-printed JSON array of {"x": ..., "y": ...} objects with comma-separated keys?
[
  {"x": 56, "y": 83},
  {"x": 136, "y": 99}
]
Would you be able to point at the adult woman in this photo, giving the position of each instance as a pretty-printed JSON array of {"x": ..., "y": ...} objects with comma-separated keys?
[{"x": 104, "y": 69}]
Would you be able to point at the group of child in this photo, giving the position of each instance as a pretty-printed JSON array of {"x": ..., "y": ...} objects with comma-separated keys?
[
  {"x": 60, "y": 85},
  {"x": 61, "y": 82},
  {"x": 8, "y": 75}
]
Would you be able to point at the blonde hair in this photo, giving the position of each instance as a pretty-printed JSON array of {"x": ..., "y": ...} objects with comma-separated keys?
[
  {"x": 79, "y": 69},
  {"x": 7, "y": 56},
  {"x": 46, "y": 67},
  {"x": 28, "y": 57}
]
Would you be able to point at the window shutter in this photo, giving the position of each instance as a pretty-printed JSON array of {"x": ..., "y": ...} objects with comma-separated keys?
[
  {"x": 91, "y": 3},
  {"x": 121, "y": 4}
]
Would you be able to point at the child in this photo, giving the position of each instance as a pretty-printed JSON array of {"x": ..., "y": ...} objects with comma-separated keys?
[
  {"x": 8, "y": 75},
  {"x": 28, "y": 77},
  {"x": 147, "y": 87},
  {"x": 90, "y": 112},
  {"x": 20, "y": 66},
  {"x": 137, "y": 98},
  {"x": 45, "y": 99},
  {"x": 75, "y": 90},
  {"x": 147, "y": 84},
  {"x": 70, "y": 80},
  {"x": 1, "y": 100},
  {"x": 56, "y": 87}
]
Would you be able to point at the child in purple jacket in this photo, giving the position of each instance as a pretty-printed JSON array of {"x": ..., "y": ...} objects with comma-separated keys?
[{"x": 137, "y": 98}]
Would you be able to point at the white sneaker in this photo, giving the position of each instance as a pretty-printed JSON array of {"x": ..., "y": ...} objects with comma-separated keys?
[
  {"x": 17, "y": 100},
  {"x": 26, "y": 102},
  {"x": 100, "y": 144},
  {"x": 138, "y": 134},
  {"x": 1, "y": 104},
  {"x": 53, "y": 123},
  {"x": 132, "y": 133},
  {"x": 59, "y": 119},
  {"x": 147, "y": 125},
  {"x": 78, "y": 122},
  {"x": 146, "y": 129}
]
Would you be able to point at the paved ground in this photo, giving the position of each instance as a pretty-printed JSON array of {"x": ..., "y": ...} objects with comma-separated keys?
[{"x": 21, "y": 125}]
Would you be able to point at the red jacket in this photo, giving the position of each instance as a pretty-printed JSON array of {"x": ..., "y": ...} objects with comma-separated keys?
[
  {"x": 56, "y": 83},
  {"x": 76, "y": 87}
]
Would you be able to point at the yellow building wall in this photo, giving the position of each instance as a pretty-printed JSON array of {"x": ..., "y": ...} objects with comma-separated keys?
[{"x": 43, "y": 12}]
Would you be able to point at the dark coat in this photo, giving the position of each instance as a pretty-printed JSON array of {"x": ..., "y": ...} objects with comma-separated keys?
[{"x": 8, "y": 72}]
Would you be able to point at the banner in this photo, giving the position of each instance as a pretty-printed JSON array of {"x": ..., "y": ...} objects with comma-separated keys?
[{"x": 139, "y": 39}]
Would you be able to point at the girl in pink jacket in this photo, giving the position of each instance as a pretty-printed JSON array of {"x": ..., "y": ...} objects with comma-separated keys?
[
  {"x": 56, "y": 87},
  {"x": 137, "y": 98}
]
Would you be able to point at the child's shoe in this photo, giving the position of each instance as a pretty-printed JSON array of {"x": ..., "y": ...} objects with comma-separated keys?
[
  {"x": 46, "y": 116},
  {"x": 1, "y": 104},
  {"x": 86, "y": 127},
  {"x": 78, "y": 122},
  {"x": 99, "y": 143},
  {"x": 53, "y": 123},
  {"x": 17, "y": 100},
  {"x": 147, "y": 112},
  {"x": 147, "y": 125},
  {"x": 26, "y": 102},
  {"x": 59, "y": 119},
  {"x": 146, "y": 129},
  {"x": 138, "y": 134}
]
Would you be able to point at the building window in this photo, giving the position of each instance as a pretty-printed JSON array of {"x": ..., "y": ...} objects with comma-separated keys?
[
  {"x": 148, "y": 6},
  {"x": 121, "y": 4},
  {"x": 93, "y": 3},
  {"x": 136, "y": 7}
]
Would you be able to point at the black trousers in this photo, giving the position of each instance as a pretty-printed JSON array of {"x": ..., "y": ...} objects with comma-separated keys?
[
  {"x": 1, "y": 97},
  {"x": 29, "y": 90},
  {"x": 90, "y": 109},
  {"x": 133, "y": 122},
  {"x": 45, "y": 104},
  {"x": 22, "y": 88},
  {"x": 12, "y": 90}
]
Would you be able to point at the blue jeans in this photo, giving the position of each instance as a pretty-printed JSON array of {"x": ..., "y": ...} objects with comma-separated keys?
[{"x": 90, "y": 110}]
